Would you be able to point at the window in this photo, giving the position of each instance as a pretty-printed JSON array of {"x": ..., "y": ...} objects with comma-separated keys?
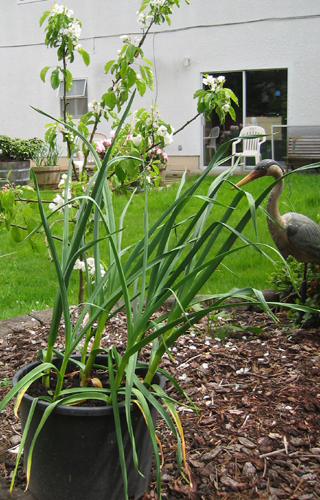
[
  {"x": 262, "y": 96},
  {"x": 77, "y": 100}
]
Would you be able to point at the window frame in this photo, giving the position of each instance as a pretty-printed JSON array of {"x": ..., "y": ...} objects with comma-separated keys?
[
  {"x": 76, "y": 97},
  {"x": 243, "y": 99}
]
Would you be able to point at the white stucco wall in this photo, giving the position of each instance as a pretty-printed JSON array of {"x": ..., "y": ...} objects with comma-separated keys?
[{"x": 216, "y": 35}]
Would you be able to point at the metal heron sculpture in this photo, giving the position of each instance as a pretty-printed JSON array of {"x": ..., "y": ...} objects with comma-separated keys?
[{"x": 294, "y": 234}]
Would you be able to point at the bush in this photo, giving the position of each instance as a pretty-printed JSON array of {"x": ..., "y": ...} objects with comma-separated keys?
[
  {"x": 289, "y": 285},
  {"x": 18, "y": 149}
]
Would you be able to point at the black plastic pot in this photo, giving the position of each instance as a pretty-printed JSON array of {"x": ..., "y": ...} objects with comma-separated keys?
[{"x": 76, "y": 453}]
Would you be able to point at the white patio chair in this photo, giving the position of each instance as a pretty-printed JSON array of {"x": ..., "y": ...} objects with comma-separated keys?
[
  {"x": 250, "y": 147},
  {"x": 212, "y": 140}
]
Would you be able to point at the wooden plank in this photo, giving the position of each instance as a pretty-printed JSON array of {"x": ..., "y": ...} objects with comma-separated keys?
[{"x": 303, "y": 148}]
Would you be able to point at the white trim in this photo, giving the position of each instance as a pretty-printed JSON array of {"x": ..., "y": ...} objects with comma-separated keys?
[
  {"x": 20, "y": 2},
  {"x": 70, "y": 95}
]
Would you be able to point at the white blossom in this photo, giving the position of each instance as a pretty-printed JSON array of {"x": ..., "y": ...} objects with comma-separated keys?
[
  {"x": 162, "y": 131},
  {"x": 157, "y": 3},
  {"x": 57, "y": 9},
  {"x": 221, "y": 79},
  {"x": 91, "y": 267},
  {"x": 117, "y": 87},
  {"x": 90, "y": 262},
  {"x": 62, "y": 180},
  {"x": 95, "y": 107},
  {"x": 57, "y": 203},
  {"x": 137, "y": 140},
  {"x": 210, "y": 82},
  {"x": 68, "y": 195},
  {"x": 141, "y": 20},
  {"x": 79, "y": 264},
  {"x": 168, "y": 139}
]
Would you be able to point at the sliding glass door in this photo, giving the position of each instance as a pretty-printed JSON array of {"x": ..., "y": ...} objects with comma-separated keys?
[{"x": 262, "y": 96}]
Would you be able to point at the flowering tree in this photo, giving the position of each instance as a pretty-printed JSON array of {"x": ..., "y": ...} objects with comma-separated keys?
[
  {"x": 62, "y": 32},
  {"x": 130, "y": 70},
  {"x": 215, "y": 97},
  {"x": 141, "y": 140}
]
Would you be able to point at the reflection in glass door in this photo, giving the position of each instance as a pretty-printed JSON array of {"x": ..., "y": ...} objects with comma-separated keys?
[{"x": 262, "y": 96}]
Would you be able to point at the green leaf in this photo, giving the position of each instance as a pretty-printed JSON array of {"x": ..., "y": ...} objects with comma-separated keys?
[
  {"x": 131, "y": 76},
  {"x": 141, "y": 86},
  {"x": 121, "y": 174},
  {"x": 68, "y": 79},
  {"x": 44, "y": 16},
  {"x": 43, "y": 73},
  {"x": 85, "y": 56},
  {"x": 144, "y": 4},
  {"x": 143, "y": 73},
  {"x": 31, "y": 224},
  {"x": 232, "y": 113},
  {"x": 232, "y": 96},
  {"x": 207, "y": 100},
  {"x": 150, "y": 75},
  {"x": 147, "y": 61},
  {"x": 109, "y": 99},
  {"x": 123, "y": 68},
  {"x": 54, "y": 79},
  {"x": 199, "y": 93},
  {"x": 7, "y": 200},
  {"x": 108, "y": 65},
  {"x": 130, "y": 52},
  {"x": 200, "y": 107},
  {"x": 16, "y": 234}
]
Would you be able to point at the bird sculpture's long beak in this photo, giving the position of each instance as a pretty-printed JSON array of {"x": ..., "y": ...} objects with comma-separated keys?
[{"x": 250, "y": 177}]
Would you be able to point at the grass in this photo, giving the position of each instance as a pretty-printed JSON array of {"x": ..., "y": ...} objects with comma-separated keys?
[{"x": 28, "y": 278}]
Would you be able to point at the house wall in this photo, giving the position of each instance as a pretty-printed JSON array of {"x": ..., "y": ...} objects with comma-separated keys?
[{"x": 215, "y": 35}]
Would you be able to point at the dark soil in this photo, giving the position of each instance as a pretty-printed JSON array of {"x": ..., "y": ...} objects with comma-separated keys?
[{"x": 257, "y": 432}]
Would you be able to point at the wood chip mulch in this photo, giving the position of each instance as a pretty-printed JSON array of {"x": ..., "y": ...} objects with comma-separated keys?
[{"x": 257, "y": 433}]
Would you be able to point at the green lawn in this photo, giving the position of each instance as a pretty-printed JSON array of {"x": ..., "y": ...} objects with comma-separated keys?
[{"x": 28, "y": 278}]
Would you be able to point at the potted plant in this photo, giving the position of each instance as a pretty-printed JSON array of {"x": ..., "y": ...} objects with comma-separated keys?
[
  {"x": 15, "y": 156},
  {"x": 46, "y": 166},
  {"x": 173, "y": 257}
]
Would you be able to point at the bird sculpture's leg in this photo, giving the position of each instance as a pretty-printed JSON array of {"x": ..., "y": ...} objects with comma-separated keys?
[{"x": 303, "y": 292}]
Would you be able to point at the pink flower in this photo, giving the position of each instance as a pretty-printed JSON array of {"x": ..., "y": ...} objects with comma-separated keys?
[
  {"x": 100, "y": 147},
  {"x": 164, "y": 156}
]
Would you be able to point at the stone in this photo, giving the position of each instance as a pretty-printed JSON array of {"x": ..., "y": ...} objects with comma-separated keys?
[
  {"x": 15, "y": 439},
  {"x": 249, "y": 470}
]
